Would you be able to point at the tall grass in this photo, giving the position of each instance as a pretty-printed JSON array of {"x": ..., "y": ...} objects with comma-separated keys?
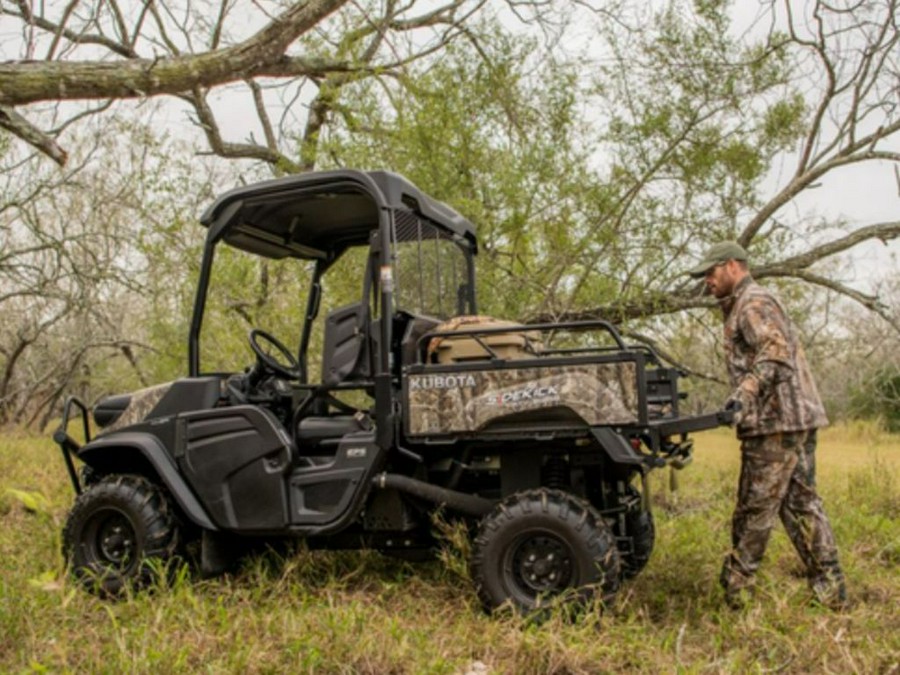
[{"x": 359, "y": 612}]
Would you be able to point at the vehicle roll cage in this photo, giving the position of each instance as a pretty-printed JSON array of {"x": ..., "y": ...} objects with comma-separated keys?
[{"x": 268, "y": 219}]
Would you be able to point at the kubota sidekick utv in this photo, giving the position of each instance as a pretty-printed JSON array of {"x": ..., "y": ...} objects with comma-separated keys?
[{"x": 539, "y": 437}]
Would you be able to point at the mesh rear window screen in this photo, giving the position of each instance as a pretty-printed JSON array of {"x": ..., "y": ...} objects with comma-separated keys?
[{"x": 429, "y": 267}]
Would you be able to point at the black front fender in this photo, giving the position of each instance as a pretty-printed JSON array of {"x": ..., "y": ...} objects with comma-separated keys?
[{"x": 138, "y": 452}]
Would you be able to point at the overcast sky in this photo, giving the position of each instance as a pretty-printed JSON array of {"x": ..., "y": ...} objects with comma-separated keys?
[{"x": 860, "y": 195}]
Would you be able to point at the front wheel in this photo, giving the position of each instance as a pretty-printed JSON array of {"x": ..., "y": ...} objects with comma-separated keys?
[
  {"x": 116, "y": 527},
  {"x": 538, "y": 545}
]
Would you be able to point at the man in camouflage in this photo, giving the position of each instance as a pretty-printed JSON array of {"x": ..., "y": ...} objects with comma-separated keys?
[{"x": 777, "y": 417}]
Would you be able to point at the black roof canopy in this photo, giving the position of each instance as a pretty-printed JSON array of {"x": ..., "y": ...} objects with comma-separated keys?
[{"x": 316, "y": 215}]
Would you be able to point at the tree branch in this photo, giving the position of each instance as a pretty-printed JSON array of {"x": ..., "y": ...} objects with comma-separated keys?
[
  {"x": 17, "y": 125},
  {"x": 860, "y": 151},
  {"x": 870, "y": 302},
  {"x": 72, "y": 36},
  {"x": 651, "y": 304},
  {"x": 207, "y": 122},
  {"x": 666, "y": 356},
  {"x": 35, "y": 81},
  {"x": 881, "y": 231}
]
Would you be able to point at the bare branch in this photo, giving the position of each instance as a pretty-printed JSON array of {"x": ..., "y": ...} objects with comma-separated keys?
[
  {"x": 655, "y": 304},
  {"x": 870, "y": 302},
  {"x": 119, "y": 22},
  {"x": 884, "y": 232},
  {"x": 22, "y": 128},
  {"x": 26, "y": 15},
  {"x": 625, "y": 310},
  {"x": 220, "y": 21},
  {"x": 207, "y": 122},
  {"x": 860, "y": 151},
  {"x": 67, "y": 12},
  {"x": 31, "y": 82},
  {"x": 106, "y": 105},
  {"x": 263, "y": 115},
  {"x": 667, "y": 356}
]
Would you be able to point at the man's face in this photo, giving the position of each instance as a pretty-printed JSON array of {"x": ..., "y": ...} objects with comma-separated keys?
[{"x": 721, "y": 279}]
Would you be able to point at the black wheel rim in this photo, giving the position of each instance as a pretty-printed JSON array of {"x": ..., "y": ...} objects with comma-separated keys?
[
  {"x": 112, "y": 540},
  {"x": 539, "y": 565}
]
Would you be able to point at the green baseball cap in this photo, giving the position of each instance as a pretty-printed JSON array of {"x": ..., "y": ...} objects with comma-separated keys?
[{"x": 718, "y": 253}]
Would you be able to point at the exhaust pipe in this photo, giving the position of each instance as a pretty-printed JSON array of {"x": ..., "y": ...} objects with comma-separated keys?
[{"x": 458, "y": 501}]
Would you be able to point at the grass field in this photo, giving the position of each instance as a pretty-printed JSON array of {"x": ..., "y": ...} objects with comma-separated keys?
[{"x": 360, "y": 612}]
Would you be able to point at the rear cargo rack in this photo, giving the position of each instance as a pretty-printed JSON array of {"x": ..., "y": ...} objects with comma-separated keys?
[{"x": 69, "y": 445}]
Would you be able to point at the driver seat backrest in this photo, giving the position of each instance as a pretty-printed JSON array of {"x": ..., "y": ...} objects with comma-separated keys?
[{"x": 345, "y": 353}]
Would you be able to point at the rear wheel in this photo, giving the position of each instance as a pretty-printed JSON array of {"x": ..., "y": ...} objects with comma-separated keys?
[
  {"x": 115, "y": 529},
  {"x": 539, "y": 545}
]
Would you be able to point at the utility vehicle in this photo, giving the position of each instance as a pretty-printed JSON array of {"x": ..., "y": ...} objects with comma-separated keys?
[{"x": 539, "y": 438}]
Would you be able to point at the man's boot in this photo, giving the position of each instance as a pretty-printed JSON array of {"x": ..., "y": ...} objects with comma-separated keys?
[
  {"x": 736, "y": 583},
  {"x": 829, "y": 589}
]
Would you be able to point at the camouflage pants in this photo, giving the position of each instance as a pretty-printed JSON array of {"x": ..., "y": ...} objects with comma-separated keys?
[{"x": 778, "y": 478}]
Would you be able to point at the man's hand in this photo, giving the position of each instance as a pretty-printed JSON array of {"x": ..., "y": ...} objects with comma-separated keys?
[{"x": 734, "y": 405}]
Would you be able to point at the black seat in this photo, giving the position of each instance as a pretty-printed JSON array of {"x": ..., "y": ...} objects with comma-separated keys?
[
  {"x": 345, "y": 361},
  {"x": 184, "y": 395},
  {"x": 345, "y": 352}
]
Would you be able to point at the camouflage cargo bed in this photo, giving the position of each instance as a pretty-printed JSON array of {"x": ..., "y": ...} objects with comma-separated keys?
[
  {"x": 509, "y": 379},
  {"x": 471, "y": 399}
]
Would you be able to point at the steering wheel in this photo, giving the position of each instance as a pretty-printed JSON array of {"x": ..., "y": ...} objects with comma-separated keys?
[{"x": 291, "y": 370}]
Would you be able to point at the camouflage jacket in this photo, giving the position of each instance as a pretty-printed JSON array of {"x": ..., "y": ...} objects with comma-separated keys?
[{"x": 767, "y": 365}]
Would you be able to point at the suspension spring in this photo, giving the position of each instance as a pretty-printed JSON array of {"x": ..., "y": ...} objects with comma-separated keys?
[{"x": 556, "y": 472}]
